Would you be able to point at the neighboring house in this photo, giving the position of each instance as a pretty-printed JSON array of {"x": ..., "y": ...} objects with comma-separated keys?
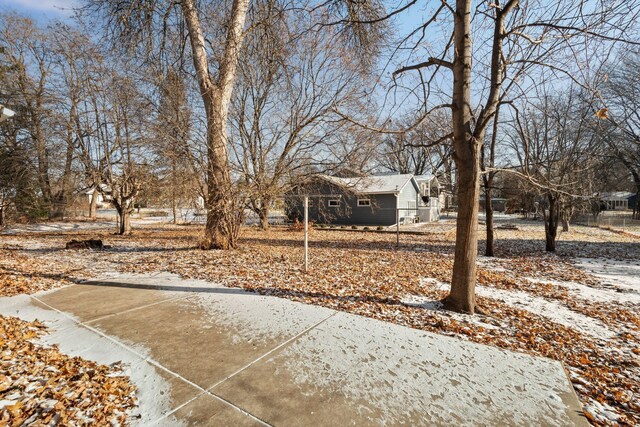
[
  {"x": 101, "y": 199},
  {"x": 618, "y": 200},
  {"x": 370, "y": 200},
  {"x": 499, "y": 204}
]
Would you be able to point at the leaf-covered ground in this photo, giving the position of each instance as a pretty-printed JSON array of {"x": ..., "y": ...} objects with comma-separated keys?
[
  {"x": 535, "y": 302},
  {"x": 41, "y": 386}
]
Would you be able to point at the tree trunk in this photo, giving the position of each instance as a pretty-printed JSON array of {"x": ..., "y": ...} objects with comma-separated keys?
[
  {"x": 467, "y": 158},
  {"x": 263, "y": 214},
  {"x": 124, "y": 221},
  {"x": 222, "y": 224},
  {"x": 93, "y": 205},
  {"x": 174, "y": 209},
  {"x": 564, "y": 219},
  {"x": 223, "y": 214},
  {"x": 551, "y": 224},
  {"x": 488, "y": 209}
]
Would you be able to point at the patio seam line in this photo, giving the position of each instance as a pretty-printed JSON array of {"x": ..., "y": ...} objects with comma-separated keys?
[
  {"x": 129, "y": 310},
  {"x": 273, "y": 350},
  {"x": 153, "y": 363},
  {"x": 279, "y": 346}
]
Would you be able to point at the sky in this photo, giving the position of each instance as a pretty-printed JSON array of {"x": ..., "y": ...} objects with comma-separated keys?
[{"x": 40, "y": 10}]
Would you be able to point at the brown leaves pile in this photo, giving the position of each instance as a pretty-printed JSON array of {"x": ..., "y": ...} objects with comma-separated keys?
[
  {"x": 20, "y": 275},
  {"x": 41, "y": 386}
]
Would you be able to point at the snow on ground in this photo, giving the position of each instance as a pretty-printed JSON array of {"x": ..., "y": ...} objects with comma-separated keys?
[
  {"x": 75, "y": 339},
  {"x": 554, "y": 310},
  {"x": 359, "y": 357},
  {"x": 551, "y": 309},
  {"x": 52, "y": 227},
  {"x": 602, "y": 293},
  {"x": 622, "y": 276}
]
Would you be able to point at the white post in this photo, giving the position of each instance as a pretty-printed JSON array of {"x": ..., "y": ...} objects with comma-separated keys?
[
  {"x": 397, "y": 227},
  {"x": 306, "y": 234}
]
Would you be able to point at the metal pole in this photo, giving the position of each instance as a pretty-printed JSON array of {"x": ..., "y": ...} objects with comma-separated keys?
[
  {"x": 397, "y": 228},
  {"x": 306, "y": 234}
]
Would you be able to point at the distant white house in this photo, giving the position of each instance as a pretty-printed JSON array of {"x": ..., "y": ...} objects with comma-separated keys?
[
  {"x": 617, "y": 200},
  {"x": 101, "y": 199},
  {"x": 5, "y": 113}
]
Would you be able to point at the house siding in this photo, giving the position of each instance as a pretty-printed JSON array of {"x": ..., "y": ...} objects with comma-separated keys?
[{"x": 381, "y": 212}]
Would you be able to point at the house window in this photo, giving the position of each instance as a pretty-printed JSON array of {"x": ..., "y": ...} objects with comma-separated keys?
[
  {"x": 334, "y": 203},
  {"x": 364, "y": 202}
]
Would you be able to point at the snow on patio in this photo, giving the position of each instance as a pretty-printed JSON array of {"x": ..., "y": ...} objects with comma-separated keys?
[{"x": 98, "y": 361}]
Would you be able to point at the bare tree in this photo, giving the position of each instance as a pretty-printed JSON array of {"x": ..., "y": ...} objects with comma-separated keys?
[
  {"x": 283, "y": 116},
  {"x": 173, "y": 158},
  {"x": 558, "y": 155},
  {"x": 512, "y": 40},
  {"x": 28, "y": 55},
  {"x": 415, "y": 151},
  {"x": 144, "y": 23},
  {"x": 114, "y": 136},
  {"x": 620, "y": 128}
]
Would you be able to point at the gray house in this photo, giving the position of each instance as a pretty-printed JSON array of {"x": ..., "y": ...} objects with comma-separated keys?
[{"x": 369, "y": 200}]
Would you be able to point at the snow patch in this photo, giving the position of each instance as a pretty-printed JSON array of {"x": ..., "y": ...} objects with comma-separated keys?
[
  {"x": 553, "y": 310},
  {"x": 622, "y": 276}
]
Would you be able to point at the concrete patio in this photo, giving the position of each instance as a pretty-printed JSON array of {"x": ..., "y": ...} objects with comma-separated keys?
[{"x": 203, "y": 354}]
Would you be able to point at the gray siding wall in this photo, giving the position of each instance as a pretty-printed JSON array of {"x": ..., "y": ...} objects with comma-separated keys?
[{"x": 381, "y": 212}]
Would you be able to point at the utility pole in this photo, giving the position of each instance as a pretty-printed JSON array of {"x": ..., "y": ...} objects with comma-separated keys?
[{"x": 306, "y": 234}]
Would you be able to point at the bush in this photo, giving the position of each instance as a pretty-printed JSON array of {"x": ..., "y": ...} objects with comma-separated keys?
[
  {"x": 343, "y": 226},
  {"x": 380, "y": 228},
  {"x": 354, "y": 227},
  {"x": 366, "y": 228}
]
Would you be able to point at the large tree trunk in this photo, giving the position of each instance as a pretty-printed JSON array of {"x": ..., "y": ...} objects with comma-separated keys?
[
  {"x": 124, "y": 217},
  {"x": 223, "y": 216},
  {"x": 222, "y": 225},
  {"x": 467, "y": 157},
  {"x": 124, "y": 222},
  {"x": 551, "y": 218},
  {"x": 263, "y": 214},
  {"x": 60, "y": 200}
]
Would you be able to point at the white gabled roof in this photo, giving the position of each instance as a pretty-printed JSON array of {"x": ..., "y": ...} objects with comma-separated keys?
[
  {"x": 616, "y": 195},
  {"x": 382, "y": 184}
]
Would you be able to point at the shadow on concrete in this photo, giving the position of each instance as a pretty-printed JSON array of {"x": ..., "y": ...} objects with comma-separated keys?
[
  {"x": 257, "y": 291},
  {"x": 192, "y": 289}
]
